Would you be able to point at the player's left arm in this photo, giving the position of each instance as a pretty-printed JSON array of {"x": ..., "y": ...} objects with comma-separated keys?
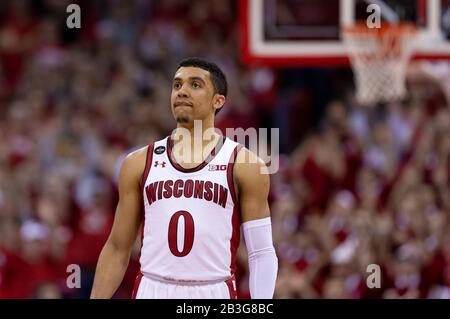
[{"x": 253, "y": 183}]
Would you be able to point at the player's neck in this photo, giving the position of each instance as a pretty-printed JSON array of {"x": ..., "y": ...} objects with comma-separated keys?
[
  {"x": 192, "y": 137},
  {"x": 199, "y": 137},
  {"x": 195, "y": 128},
  {"x": 199, "y": 131}
]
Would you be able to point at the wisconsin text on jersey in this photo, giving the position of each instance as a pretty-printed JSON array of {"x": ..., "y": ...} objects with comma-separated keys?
[{"x": 205, "y": 190}]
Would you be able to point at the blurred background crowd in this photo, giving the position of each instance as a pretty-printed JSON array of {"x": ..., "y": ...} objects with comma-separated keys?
[{"x": 356, "y": 185}]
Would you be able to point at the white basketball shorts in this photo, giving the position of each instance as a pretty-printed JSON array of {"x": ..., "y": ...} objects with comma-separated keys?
[{"x": 149, "y": 288}]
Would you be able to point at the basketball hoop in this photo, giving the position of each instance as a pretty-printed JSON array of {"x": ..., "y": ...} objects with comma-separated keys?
[{"x": 379, "y": 58}]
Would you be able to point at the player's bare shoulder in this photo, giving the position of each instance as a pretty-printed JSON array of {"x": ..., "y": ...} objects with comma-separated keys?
[
  {"x": 134, "y": 164},
  {"x": 250, "y": 167},
  {"x": 253, "y": 183}
]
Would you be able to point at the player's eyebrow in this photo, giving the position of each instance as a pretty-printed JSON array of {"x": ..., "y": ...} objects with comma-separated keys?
[{"x": 191, "y": 78}]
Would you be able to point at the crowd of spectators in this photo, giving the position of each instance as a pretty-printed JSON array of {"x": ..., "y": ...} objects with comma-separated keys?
[{"x": 356, "y": 185}]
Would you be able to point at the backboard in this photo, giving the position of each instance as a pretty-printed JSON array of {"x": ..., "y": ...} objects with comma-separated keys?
[{"x": 309, "y": 32}]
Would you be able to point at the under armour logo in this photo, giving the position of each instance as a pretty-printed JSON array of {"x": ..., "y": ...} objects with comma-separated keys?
[{"x": 163, "y": 164}]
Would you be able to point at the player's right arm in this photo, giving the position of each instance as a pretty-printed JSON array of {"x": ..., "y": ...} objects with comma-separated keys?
[{"x": 115, "y": 255}]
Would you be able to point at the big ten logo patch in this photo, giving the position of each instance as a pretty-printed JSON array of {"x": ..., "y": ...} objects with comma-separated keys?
[{"x": 217, "y": 167}]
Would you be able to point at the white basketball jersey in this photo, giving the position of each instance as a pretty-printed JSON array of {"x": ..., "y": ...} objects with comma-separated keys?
[{"x": 191, "y": 223}]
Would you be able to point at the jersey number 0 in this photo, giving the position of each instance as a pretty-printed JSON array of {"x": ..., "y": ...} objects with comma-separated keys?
[{"x": 188, "y": 233}]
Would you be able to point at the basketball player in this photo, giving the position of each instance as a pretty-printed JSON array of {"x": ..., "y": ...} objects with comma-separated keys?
[{"x": 191, "y": 213}]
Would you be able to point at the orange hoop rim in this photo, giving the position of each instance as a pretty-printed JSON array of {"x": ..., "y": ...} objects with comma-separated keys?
[{"x": 400, "y": 29}]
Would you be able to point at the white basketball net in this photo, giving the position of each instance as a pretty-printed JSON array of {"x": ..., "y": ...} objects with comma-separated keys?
[{"x": 379, "y": 59}]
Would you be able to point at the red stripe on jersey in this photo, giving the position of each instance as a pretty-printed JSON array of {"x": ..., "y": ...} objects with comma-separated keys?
[
  {"x": 231, "y": 289},
  {"x": 137, "y": 282},
  {"x": 148, "y": 165},
  {"x": 235, "y": 219},
  {"x": 230, "y": 176}
]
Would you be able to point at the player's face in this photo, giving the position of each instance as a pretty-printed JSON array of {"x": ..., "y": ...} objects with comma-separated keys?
[{"x": 193, "y": 96}]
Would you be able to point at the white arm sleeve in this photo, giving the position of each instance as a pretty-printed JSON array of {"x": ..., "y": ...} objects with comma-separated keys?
[{"x": 262, "y": 260}]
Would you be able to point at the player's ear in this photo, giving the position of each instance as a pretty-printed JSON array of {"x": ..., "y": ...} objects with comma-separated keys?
[{"x": 218, "y": 101}]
